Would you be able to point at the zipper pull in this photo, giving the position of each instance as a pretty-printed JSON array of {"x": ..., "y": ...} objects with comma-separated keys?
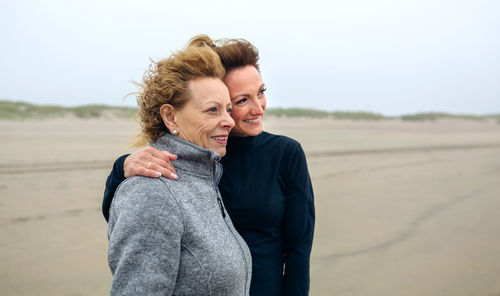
[{"x": 221, "y": 207}]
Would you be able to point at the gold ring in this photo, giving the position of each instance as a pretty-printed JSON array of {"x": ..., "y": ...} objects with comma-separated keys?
[{"x": 149, "y": 165}]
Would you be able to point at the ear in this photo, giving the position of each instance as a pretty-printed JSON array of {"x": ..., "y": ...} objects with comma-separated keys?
[{"x": 167, "y": 113}]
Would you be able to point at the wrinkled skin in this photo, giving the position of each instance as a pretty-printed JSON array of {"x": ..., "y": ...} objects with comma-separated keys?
[{"x": 204, "y": 120}]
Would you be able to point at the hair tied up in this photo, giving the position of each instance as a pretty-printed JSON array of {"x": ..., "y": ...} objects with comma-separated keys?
[{"x": 201, "y": 41}]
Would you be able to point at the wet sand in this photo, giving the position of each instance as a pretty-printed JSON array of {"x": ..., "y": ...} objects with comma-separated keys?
[{"x": 403, "y": 208}]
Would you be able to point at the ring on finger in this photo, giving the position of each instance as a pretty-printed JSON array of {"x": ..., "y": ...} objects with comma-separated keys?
[{"x": 149, "y": 165}]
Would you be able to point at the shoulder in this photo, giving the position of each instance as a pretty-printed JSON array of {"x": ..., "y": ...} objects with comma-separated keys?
[
  {"x": 286, "y": 150},
  {"x": 288, "y": 147},
  {"x": 280, "y": 140},
  {"x": 141, "y": 196},
  {"x": 141, "y": 186},
  {"x": 143, "y": 213}
]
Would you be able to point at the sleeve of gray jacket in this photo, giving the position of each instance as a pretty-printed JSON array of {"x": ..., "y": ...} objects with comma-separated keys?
[{"x": 145, "y": 231}]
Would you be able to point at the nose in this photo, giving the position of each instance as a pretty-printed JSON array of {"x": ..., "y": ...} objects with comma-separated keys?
[
  {"x": 227, "y": 122},
  {"x": 257, "y": 108}
]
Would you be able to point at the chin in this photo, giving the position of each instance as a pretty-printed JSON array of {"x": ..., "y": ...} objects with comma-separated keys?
[
  {"x": 248, "y": 132},
  {"x": 221, "y": 152},
  {"x": 254, "y": 132}
]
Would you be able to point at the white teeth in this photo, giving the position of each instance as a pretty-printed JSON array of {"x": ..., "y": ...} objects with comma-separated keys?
[
  {"x": 219, "y": 138},
  {"x": 253, "y": 120}
]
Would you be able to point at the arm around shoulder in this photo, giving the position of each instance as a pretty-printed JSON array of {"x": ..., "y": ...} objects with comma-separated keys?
[{"x": 147, "y": 161}]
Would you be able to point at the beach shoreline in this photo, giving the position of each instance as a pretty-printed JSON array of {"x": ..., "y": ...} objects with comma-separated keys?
[{"x": 403, "y": 208}]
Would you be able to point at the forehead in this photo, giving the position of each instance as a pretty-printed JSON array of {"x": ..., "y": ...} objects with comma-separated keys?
[
  {"x": 206, "y": 89},
  {"x": 243, "y": 79}
]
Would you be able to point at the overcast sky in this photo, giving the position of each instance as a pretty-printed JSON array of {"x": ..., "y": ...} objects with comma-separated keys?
[{"x": 391, "y": 57}]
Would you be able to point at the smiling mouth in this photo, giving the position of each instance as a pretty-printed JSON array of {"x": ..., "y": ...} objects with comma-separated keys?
[
  {"x": 220, "y": 139},
  {"x": 256, "y": 120}
]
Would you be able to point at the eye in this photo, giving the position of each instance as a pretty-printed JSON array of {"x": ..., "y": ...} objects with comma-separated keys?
[
  {"x": 229, "y": 110},
  {"x": 262, "y": 91},
  {"x": 212, "y": 110},
  {"x": 241, "y": 101}
]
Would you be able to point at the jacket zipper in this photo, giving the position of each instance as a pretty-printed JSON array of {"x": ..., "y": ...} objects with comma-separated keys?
[
  {"x": 225, "y": 222},
  {"x": 221, "y": 207},
  {"x": 216, "y": 181}
]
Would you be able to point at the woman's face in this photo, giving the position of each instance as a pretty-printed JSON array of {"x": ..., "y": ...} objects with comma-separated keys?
[
  {"x": 246, "y": 90},
  {"x": 205, "y": 120}
]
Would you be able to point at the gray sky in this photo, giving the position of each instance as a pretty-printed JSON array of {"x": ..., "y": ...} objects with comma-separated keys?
[{"x": 390, "y": 57}]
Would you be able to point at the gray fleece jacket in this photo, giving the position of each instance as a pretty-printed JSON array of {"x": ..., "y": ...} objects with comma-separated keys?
[{"x": 174, "y": 237}]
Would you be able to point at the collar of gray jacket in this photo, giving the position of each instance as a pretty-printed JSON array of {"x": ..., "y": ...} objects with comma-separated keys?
[{"x": 189, "y": 156}]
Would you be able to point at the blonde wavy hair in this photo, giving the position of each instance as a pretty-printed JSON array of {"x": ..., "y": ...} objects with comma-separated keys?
[{"x": 166, "y": 82}]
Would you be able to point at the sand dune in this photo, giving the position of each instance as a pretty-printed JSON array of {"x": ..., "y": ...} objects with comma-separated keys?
[{"x": 403, "y": 208}]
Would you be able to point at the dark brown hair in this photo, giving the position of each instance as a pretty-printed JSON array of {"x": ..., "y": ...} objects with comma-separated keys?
[{"x": 233, "y": 53}]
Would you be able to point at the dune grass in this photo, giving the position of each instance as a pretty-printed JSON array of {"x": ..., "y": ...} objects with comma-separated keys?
[
  {"x": 296, "y": 112},
  {"x": 21, "y": 110},
  {"x": 425, "y": 116},
  {"x": 314, "y": 113}
]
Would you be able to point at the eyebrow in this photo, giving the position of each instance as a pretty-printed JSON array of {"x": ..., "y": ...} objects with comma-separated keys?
[
  {"x": 216, "y": 103},
  {"x": 211, "y": 102}
]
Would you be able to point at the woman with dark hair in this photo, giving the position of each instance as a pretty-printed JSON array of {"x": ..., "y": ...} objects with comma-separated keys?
[{"x": 265, "y": 186}]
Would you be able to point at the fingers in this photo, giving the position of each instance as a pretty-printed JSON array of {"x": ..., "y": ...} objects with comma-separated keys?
[
  {"x": 163, "y": 163},
  {"x": 163, "y": 160},
  {"x": 165, "y": 155},
  {"x": 142, "y": 171},
  {"x": 150, "y": 162},
  {"x": 163, "y": 169}
]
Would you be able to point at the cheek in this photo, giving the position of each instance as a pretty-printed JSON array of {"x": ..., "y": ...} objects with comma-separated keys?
[
  {"x": 195, "y": 130},
  {"x": 237, "y": 114},
  {"x": 202, "y": 126}
]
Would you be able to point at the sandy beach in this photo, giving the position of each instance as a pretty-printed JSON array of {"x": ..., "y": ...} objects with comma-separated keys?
[{"x": 402, "y": 208}]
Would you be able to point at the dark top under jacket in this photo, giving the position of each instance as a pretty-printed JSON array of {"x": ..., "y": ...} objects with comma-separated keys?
[{"x": 267, "y": 191}]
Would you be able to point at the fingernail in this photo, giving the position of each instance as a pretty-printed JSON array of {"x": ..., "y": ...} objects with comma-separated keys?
[
  {"x": 158, "y": 174},
  {"x": 174, "y": 176}
]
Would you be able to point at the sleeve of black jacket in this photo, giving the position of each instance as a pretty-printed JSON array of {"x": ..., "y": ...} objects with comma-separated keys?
[
  {"x": 114, "y": 179},
  {"x": 298, "y": 225}
]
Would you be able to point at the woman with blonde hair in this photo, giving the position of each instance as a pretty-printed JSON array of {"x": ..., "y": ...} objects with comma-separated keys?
[
  {"x": 175, "y": 237},
  {"x": 265, "y": 187}
]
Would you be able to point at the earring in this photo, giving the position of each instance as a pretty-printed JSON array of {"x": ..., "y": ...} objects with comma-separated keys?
[{"x": 175, "y": 132}]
